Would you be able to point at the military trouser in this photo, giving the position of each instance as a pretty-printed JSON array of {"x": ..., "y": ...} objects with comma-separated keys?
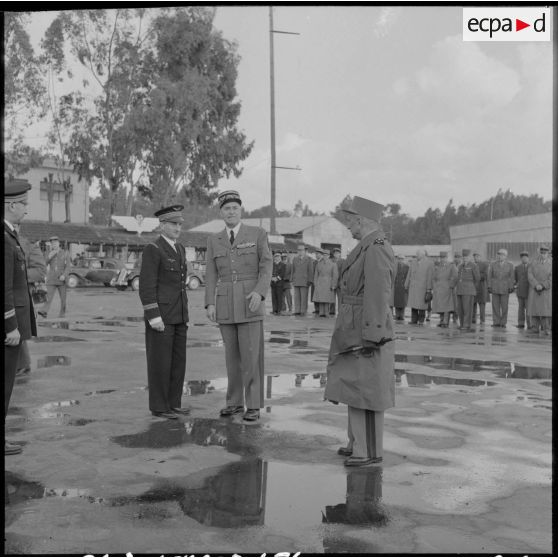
[
  {"x": 51, "y": 289},
  {"x": 11, "y": 355},
  {"x": 244, "y": 355},
  {"x": 482, "y": 311},
  {"x": 500, "y": 309},
  {"x": 287, "y": 297},
  {"x": 465, "y": 309},
  {"x": 542, "y": 322},
  {"x": 366, "y": 432},
  {"x": 300, "y": 300},
  {"x": 522, "y": 314}
]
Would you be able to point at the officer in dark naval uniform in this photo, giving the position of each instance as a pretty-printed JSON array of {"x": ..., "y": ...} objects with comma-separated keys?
[
  {"x": 19, "y": 316},
  {"x": 237, "y": 278},
  {"x": 165, "y": 303}
]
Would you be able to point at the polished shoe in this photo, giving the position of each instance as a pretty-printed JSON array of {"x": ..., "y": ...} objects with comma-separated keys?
[
  {"x": 42, "y": 314},
  {"x": 520, "y": 326},
  {"x": 22, "y": 371},
  {"x": 231, "y": 410},
  {"x": 345, "y": 451},
  {"x": 181, "y": 410},
  {"x": 251, "y": 415},
  {"x": 165, "y": 414},
  {"x": 362, "y": 461},
  {"x": 12, "y": 449}
]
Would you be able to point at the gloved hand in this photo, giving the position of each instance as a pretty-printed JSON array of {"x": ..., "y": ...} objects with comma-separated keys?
[{"x": 510, "y": 290}]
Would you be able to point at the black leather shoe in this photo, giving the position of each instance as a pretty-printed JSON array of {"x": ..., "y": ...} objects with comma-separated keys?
[
  {"x": 165, "y": 414},
  {"x": 181, "y": 411},
  {"x": 362, "y": 461},
  {"x": 251, "y": 415},
  {"x": 345, "y": 451},
  {"x": 231, "y": 410},
  {"x": 42, "y": 314}
]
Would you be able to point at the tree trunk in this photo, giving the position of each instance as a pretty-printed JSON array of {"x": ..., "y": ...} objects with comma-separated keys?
[
  {"x": 68, "y": 188},
  {"x": 50, "y": 196}
]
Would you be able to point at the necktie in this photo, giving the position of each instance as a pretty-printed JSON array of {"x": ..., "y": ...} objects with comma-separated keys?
[{"x": 232, "y": 237}]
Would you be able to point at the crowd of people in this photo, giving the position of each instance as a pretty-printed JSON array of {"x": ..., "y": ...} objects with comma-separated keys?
[{"x": 458, "y": 291}]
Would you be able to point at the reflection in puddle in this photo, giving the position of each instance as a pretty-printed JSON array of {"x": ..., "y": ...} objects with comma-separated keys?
[
  {"x": 100, "y": 391},
  {"x": 199, "y": 344},
  {"x": 198, "y": 387},
  {"x": 49, "y": 410},
  {"x": 48, "y": 361},
  {"x": 412, "y": 379}
]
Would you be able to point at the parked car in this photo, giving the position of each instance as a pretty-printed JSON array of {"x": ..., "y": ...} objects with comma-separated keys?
[
  {"x": 196, "y": 274},
  {"x": 128, "y": 279},
  {"x": 94, "y": 270}
]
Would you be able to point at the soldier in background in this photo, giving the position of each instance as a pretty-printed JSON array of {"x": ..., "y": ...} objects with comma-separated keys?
[
  {"x": 162, "y": 291},
  {"x": 287, "y": 295},
  {"x": 238, "y": 275},
  {"x": 302, "y": 275},
  {"x": 36, "y": 274},
  {"x": 336, "y": 259},
  {"x": 444, "y": 281},
  {"x": 468, "y": 278},
  {"x": 58, "y": 268},
  {"x": 419, "y": 285},
  {"x": 482, "y": 296},
  {"x": 277, "y": 276},
  {"x": 500, "y": 280},
  {"x": 457, "y": 261},
  {"x": 399, "y": 292},
  {"x": 325, "y": 281},
  {"x": 540, "y": 293},
  {"x": 521, "y": 285}
]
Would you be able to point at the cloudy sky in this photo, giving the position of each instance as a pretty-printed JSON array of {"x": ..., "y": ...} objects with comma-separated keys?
[{"x": 391, "y": 104}]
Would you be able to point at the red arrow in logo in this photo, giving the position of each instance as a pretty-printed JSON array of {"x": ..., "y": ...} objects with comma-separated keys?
[{"x": 519, "y": 25}]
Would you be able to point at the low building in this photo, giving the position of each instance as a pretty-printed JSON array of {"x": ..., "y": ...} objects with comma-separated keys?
[
  {"x": 316, "y": 231},
  {"x": 515, "y": 234},
  {"x": 432, "y": 250}
]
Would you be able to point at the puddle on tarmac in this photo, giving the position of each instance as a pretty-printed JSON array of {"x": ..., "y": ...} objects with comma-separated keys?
[
  {"x": 100, "y": 391},
  {"x": 199, "y": 344},
  {"x": 412, "y": 379},
  {"x": 78, "y": 325},
  {"x": 55, "y": 339},
  {"x": 48, "y": 361},
  {"x": 286, "y": 497},
  {"x": 198, "y": 387},
  {"x": 546, "y": 384},
  {"x": 50, "y": 411}
]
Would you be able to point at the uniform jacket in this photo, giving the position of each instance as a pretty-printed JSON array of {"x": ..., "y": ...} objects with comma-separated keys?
[
  {"x": 521, "y": 278},
  {"x": 18, "y": 305},
  {"x": 233, "y": 272},
  {"x": 540, "y": 274},
  {"x": 364, "y": 382},
  {"x": 501, "y": 277},
  {"x": 162, "y": 288},
  {"x": 445, "y": 280},
  {"x": 326, "y": 278},
  {"x": 418, "y": 281},
  {"x": 58, "y": 264},
  {"x": 482, "y": 288},
  {"x": 288, "y": 273},
  {"x": 279, "y": 272},
  {"x": 36, "y": 265},
  {"x": 399, "y": 292},
  {"x": 468, "y": 278},
  {"x": 302, "y": 271},
  {"x": 339, "y": 263}
]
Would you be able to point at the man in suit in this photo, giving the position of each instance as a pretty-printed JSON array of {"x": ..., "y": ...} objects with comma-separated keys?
[
  {"x": 399, "y": 292},
  {"x": 237, "y": 278},
  {"x": 336, "y": 258},
  {"x": 287, "y": 295},
  {"x": 277, "y": 275},
  {"x": 302, "y": 276},
  {"x": 482, "y": 293},
  {"x": 19, "y": 316},
  {"x": 58, "y": 268},
  {"x": 500, "y": 283},
  {"x": 468, "y": 279},
  {"x": 163, "y": 295},
  {"x": 521, "y": 278},
  {"x": 361, "y": 355}
]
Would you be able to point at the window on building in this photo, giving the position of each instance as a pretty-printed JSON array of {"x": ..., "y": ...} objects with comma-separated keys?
[{"x": 57, "y": 194}]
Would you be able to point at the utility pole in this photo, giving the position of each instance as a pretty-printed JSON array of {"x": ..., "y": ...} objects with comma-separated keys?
[{"x": 272, "y": 226}]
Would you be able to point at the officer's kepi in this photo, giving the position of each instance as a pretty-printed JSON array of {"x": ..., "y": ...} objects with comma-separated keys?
[
  {"x": 172, "y": 213},
  {"x": 365, "y": 208},
  {"x": 229, "y": 196},
  {"x": 15, "y": 190}
]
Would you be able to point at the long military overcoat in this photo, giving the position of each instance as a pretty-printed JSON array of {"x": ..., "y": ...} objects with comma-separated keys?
[
  {"x": 483, "y": 295},
  {"x": 418, "y": 281},
  {"x": 444, "y": 281},
  {"x": 540, "y": 273},
  {"x": 364, "y": 382},
  {"x": 326, "y": 277},
  {"x": 399, "y": 292},
  {"x": 233, "y": 272}
]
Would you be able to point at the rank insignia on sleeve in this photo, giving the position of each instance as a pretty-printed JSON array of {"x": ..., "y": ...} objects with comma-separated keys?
[{"x": 379, "y": 241}]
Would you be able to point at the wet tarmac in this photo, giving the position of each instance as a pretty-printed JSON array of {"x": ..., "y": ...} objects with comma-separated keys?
[{"x": 467, "y": 464}]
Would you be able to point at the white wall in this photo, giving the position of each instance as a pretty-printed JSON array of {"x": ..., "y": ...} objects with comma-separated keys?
[{"x": 330, "y": 231}]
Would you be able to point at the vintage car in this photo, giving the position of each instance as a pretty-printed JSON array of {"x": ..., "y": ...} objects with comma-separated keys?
[
  {"x": 196, "y": 274},
  {"x": 94, "y": 270}
]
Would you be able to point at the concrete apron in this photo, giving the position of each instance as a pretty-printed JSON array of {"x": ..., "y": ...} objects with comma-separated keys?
[{"x": 467, "y": 466}]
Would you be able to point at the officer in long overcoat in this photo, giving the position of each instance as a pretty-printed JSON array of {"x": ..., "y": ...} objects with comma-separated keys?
[
  {"x": 444, "y": 281},
  {"x": 162, "y": 292},
  {"x": 238, "y": 275},
  {"x": 19, "y": 316},
  {"x": 522, "y": 290},
  {"x": 468, "y": 278},
  {"x": 540, "y": 293},
  {"x": 360, "y": 370},
  {"x": 302, "y": 275},
  {"x": 482, "y": 296},
  {"x": 500, "y": 280},
  {"x": 326, "y": 278},
  {"x": 399, "y": 291},
  {"x": 419, "y": 285}
]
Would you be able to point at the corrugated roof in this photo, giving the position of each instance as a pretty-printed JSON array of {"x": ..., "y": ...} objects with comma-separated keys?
[
  {"x": 131, "y": 224},
  {"x": 71, "y": 232},
  {"x": 284, "y": 225}
]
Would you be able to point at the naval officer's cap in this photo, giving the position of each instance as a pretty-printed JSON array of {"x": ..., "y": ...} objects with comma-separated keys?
[
  {"x": 228, "y": 196},
  {"x": 173, "y": 213},
  {"x": 523, "y": 253},
  {"x": 15, "y": 189},
  {"x": 365, "y": 208}
]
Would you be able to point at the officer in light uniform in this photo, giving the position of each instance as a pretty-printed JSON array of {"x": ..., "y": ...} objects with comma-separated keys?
[
  {"x": 238, "y": 275},
  {"x": 165, "y": 303}
]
